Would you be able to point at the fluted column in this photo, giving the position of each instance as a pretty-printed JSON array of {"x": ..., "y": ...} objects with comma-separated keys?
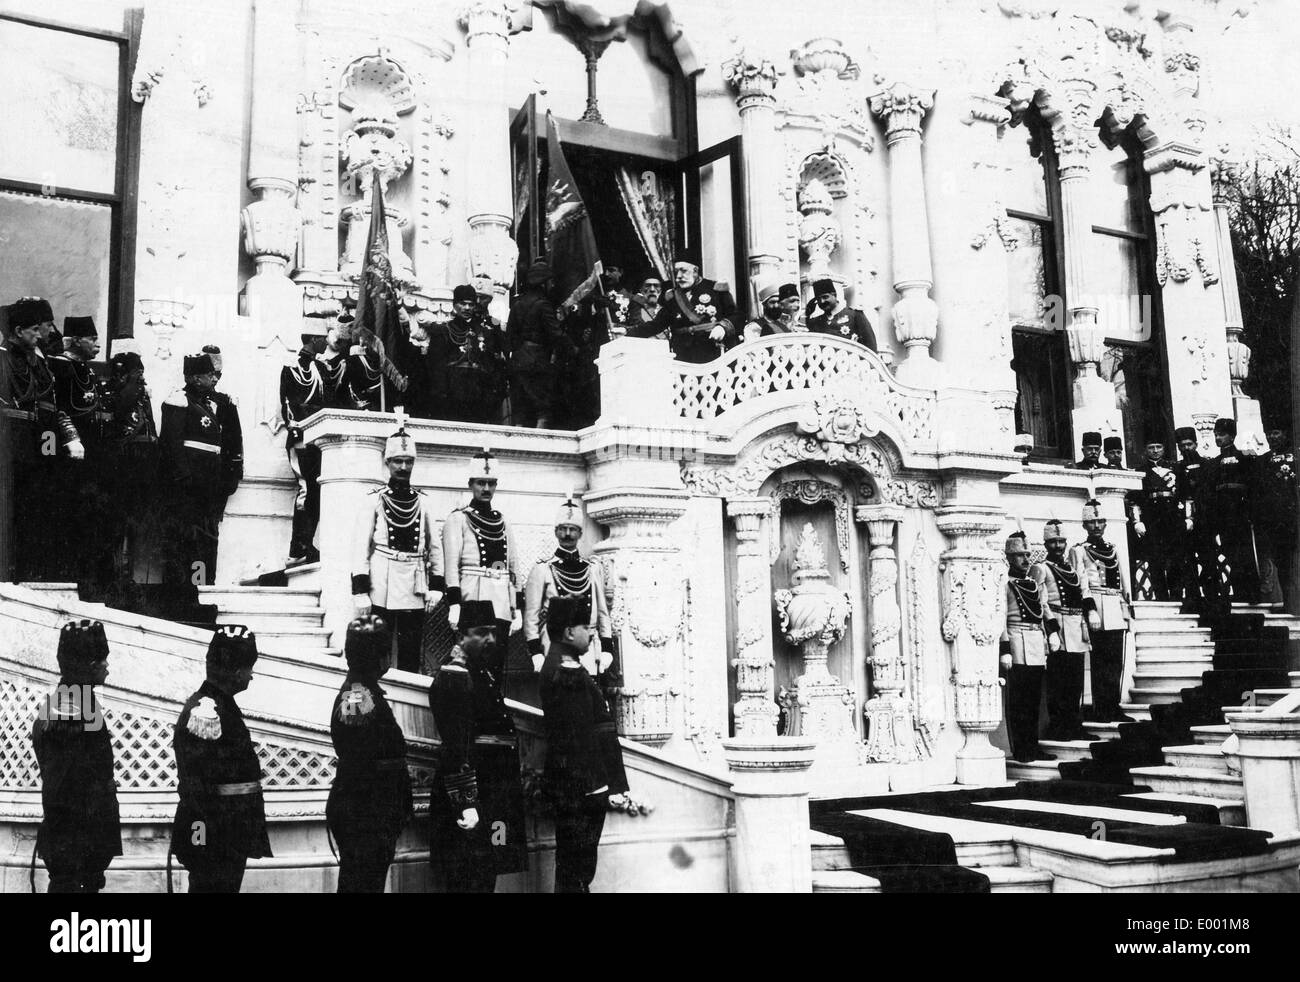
[
  {"x": 972, "y": 584},
  {"x": 493, "y": 253},
  {"x": 753, "y": 78},
  {"x": 755, "y": 710},
  {"x": 916, "y": 316},
  {"x": 891, "y": 731}
]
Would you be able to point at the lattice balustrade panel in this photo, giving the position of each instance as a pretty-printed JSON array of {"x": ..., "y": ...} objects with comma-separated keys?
[
  {"x": 18, "y": 707},
  {"x": 796, "y": 365}
]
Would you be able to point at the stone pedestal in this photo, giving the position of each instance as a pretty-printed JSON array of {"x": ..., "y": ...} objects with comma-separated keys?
[
  {"x": 773, "y": 850},
  {"x": 1269, "y": 749}
]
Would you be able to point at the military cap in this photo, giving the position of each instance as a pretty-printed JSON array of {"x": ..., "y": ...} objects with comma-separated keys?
[
  {"x": 538, "y": 272},
  {"x": 824, "y": 285},
  {"x": 483, "y": 466},
  {"x": 652, "y": 277},
  {"x": 1112, "y": 443},
  {"x": 79, "y": 327},
  {"x": 1092, "y": 439},
  {"x": 1052, "y": 530},
  {"x": 570, "y": 513},
  {"x": 477, "y": 613},
  {"x": 82, "y": 641},
  {"x": 1092, "y": 510},
  {"x": 1226, "y": 425},
  {"x": 1018, "y": 537},
  {"x": 566, "y": 612},
  {"x": 126, "y": 361},
  {"x": 399, "y": 444},
  {"x": 233, "y": 644},
  {"x": 768, "y": 291},
  {"x": 1185, "y": 433},
  {"x": 214, "y": 355},
  {"x": 367, "y": 642},
  {"x": 28, "y": 312},
  {"x": 198, "y": 365},
  {"x": 464, "y": 292}
]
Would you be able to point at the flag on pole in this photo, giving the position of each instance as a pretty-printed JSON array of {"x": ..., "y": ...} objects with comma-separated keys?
[
  {"x": 570, "y": 242},
  {"x": 377, "y": 294}
]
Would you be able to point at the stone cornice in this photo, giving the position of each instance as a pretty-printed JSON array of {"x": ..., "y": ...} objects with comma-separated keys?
[{"x": 1174, "y": 155}]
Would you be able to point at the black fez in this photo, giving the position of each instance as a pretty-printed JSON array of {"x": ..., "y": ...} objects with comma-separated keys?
[
  {"x": 477, "y": 613},
  {"x": 1185, "y": 433},
  {"x": 233, "y": 645},
  {"x": 79, "y": 327},
  {"x": 566, "y": 612},
  {"x": 82, "y": 641},
  {"x": 464, "y": 292},
  {"x": 1113, "y": 443},
  {"x": 788, "y": 291},
  {"x": 539, "y": 271},
  {"x": 28, "y": 312},
  {"x": 688, "y": 256},
  {"x": 823, "y": 286},
  {"x": 652, "y": 276},
  {"x": 1225, "y": 425},
  {"x": 198, "y": 364},
  {"x": 126, "y": 361},
  {"x": 1091, "y": 439},
  {"x": 367, "y": 642}
]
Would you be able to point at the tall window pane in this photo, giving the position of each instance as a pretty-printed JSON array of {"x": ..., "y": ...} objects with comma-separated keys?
[
  {"x": 1026, "y": 275},
  {"x": 1111, "y": 202},
  {"x": 58, "y": 250},
  {"x": 1023, "y": 186},
  {"x": 1114, "y": 270}
]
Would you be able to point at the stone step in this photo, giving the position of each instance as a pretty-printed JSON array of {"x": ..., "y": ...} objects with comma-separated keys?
[
  {"x": 1266, "y": 697},
  {"x": 315, "y": 638},
  {"x": 1231, "y": 811},
  {"x": 1035, "y": 770},
  {"x": 844, "y": 881},
  {"x": 242, "y": 598},
  {"x": 1067, "y": 749},
  {"x": 304, "y": 577},
  {"x": 1002, "y": 879},
  {"x": 1171, "y": 622},
  {"x": 1198, "y": 637},
  {"x": 1156, "y": 697},
  {"x": 1157, "y": 608},
  {"x": 1183, "y": 665},
  {"x": 1211, "y": 736},
  {"x": 830, "y": 853},
  {"x": 1140, "y": 711},
  {"x": 1241, "y": 709},
  {"x": 1187, "y": 780},
  {"x": 1102, "y": 731},
  {"x": 1196, "y": 756},
  {"x": 1155, "y": 673},
  {"x": 273, "y": 620}
]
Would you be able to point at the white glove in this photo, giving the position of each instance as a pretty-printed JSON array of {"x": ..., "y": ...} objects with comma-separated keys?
[
  {"x": 76, "y": 451},
  {"x": 603, "y": 660},
  {"x": 361, "y": 602},
  {"x": 538, "y": 662},
  {"x": 453, "y": 616},
  {"x": 1054, "y": 642},
  {"x": 752, "y": 332},
  {"x": 516, "y": 621},
  {"x": 717, "y": 334},
  {"x": 1139, "y": 529},
  {"x": 1190, "y": 525},
  {"x": 468, "y": 819},
  {"x": 431, "y": 599},
  {"x": 588, "y": 661},
  {"x": 1094, "y": 621},
  {"x": 1004, "y": 661}
]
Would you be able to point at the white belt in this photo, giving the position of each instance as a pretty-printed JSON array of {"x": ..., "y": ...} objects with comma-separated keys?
[
  {"x": 394, "y": 554},
  {"x": 205, "y": 447},
  {"x": 486, "y": 571}
]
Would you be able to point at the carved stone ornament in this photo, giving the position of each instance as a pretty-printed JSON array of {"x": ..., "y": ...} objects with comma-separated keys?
[
  {"x": 810, "y": 492},
  {"x": 837, "y": 421},
  {"x": 648, "y": 598},
  {"x": 751, "y": 74},
  {"x": 971, "y": 595},
  {"x": 819, "y": 233},
  {"x": 902, "y": 107},
  {"x": 748, "y": 477},
  {"x": 372, "y": 150}
]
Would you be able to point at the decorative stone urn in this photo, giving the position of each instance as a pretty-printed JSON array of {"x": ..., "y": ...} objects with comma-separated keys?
[{"x": 819, "y": 232}]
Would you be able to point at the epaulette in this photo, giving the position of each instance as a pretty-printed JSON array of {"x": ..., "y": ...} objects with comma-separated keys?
[
  {"x": 204, "y": 722},
  {"x": 378, "y": 490},
  {"x": 452, "y": 677},
  {"x": 177, "y": 398},
  {"x": 355, "y": 706}
]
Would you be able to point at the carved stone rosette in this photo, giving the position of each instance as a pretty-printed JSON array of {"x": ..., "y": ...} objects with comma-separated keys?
[
  {"x": 891, "y": 730},
  {"x": 756, "y": 709},
  {"x": 647, "y": 581},
  {"x": 972, "y": 594}
]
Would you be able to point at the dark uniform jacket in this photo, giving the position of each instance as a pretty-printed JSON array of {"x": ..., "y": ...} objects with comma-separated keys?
[
  {"x": 372, "y": 787},
  {"x": 232, "y": 443},
  {"x": 219, "y": 782},
  {"x": 303, "y": 391},
  {"x": 583, "y": 755},
  {"x": 28, "y": 405},
  {"x": 1159, "y": 499},
  {"x": 1276, "y": 491},
  {"x": 74, "y": 751},
  {"x": 465, "y": 360},
  {"x": 332, "y": 367},
  {"x": 693, "y": 314},
  {"x": 192, "y": 445},
  {"x": 533, "y": 333},
  {"x": 1225, "y": 489},
  {"x": 846, "y": 322},
  {"x": 77, "y": 395},
  {"x": 1189, "y": 471}
]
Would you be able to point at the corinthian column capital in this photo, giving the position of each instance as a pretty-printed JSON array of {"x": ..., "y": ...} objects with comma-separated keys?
[
  {"x": 752, "y": 75},
  {"x": 902, "y": 107},
  {"x": 486, "y": 18}
]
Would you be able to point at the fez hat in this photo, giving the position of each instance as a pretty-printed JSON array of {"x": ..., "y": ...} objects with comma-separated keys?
[
  {"x": 768, "y": 291},
  {"x": 234, "y": 645},
  {"x": 688, "y": 256},
  {"x": 484, "y": 465},
  {"x": 477, "y": 613},
  {"x": 126, "y": 361},
  {"x": 570, "y": 513},
  {"x": 28, "y": 312},
  {"x": 538, "y": 272},
  {"x": 464, "y": 292},
  {"x": 1092, "y": 510},
  {"x": 367, "y": 642},
  {"x": 789, "y": 291},
  {"x": 399, "y": 444},
  {"x": 824, "y": 285},
  {"x": 1185, "y": 433},
  {"x": 652, "y": 275},
  {"x": 1092, "y": 439},
  {"x": 198, "y": 364},
  {"x": 1226, "y": 425},
  {"x": 82, "y": 641},
  {"x": 566, "y": 612},
  {"x": 214, "y": 355},
  {"x": 79, "y": 327},
  {"x": 1112, "y": 443},
  {"x": 1052, "y": 530}
]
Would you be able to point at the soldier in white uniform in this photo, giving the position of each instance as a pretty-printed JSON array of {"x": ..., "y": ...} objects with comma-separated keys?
[
  {"x": 1068, "y": 599},
  {"x": 1107, "y": 611},
  {"x": 479, "y": 553},
  {"x": 1023, "y": 652},
  {"x": 568, "y": 574},
  {"x": 397, "y": 573}
]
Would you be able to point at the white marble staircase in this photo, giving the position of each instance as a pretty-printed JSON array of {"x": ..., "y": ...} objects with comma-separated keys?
[{"x": 284, "y": 618}]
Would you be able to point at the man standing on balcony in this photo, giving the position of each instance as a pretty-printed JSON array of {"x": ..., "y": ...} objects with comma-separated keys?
[
  {"x": 466, "y": 362},
  {"x": 1107, "y": 610},
  {"x": 1113, "y": 450},
  {"x": 232, "y": 432},
  {"x": 536, "y": 343},
  {"x": 1067, "y": 595},
  {"x": 702, "y": 313},
  {"x": 1227, "y": 493},
  {"x": 777, "y": 317},
  {"x": 303, "y": 392},
  {"x": 1091, "y": 458},
  {"x": 1158, "y": 524},
  {"x": 836, "y": 317},
  {"x": 648, "y": 317},
  {"x": 1199, "y": 554}
]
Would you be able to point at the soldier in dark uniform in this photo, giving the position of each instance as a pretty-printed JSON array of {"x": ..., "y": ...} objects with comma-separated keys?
[
  {"x": 1276, "y": 506},
  {"x": 466, "y": 362},
  {"x": 584, "y": 763},
  {"x": 132, "y": 439},
  {"x": 80, "y": 831},
  {"x": 232, "y": 433},
  {"x": 333, "y": 362},
  {"x": 220, "y": 820},
  {"x": 363, "y": 378},
  {"x": 1158, "y": 524},
  {"x": 1113, "y": 450},
  {"x": 702, "y": 312},
  {"x": 370, "y": 800},
  {"x": 194, "y": 476},
  {"x": 303, "y": 391},
  {"x": 589, "y": 328},
  {"x": 1091, "y": 458},
  {"x": 835, "y": 317},
  {"x": 1199, "y": 552},
  {"x": 536, "y": 342},
  {"x": 1023, "y": 650},
  {"x": 1226, "y": 493},
  {"x": 476, "y": 803}
]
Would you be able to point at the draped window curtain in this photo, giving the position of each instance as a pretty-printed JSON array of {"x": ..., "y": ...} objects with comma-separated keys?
[{"x": 649, "y": 204}]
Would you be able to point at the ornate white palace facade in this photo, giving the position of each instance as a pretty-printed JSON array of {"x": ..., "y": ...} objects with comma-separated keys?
[{"x": 1022, "y": 196}]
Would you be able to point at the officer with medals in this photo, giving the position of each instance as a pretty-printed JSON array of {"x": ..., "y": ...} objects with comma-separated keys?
[
  {"x": 1226, "y": 492},
  {"x": 1199, "y": 556},
  {"x": 567, "y": 574},
  {"x": 303, "y": 392},
  {"x": 370, "y": 800},
  {"x": 1023, "y": 651},
  {"x": 777, "y": 317},
  {"x": 1091, "y": 458},
  {"x": 80, "y": 830},
  {"x": 476, "y": 804},
  {"x": 649, "y": 316},
  {"x": 1068, "y": 597},
  {"x": 1276, "y": 507},
  {"x": 479, "y": 557},
  {"x": 232, "y": 431},
  {"x": 220, "y": 820},
  {"x": 1159, "y": 525},
  {"x": 333, "y": 362},
  {"x": 76, "y": 386},
  {"x": 835, "y": 317},
  {"x": 1108, "y": 606},
  {"x": 536, "y": 341},
  {"x": 194, "y": 475},
  {"x": 466, "y": 362},
  {"x": 397, "y": 572},
  {"x": 584, "y": 762},
  {"x": 363, "y": 375},
  {"x": 702, "y": 313}
]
